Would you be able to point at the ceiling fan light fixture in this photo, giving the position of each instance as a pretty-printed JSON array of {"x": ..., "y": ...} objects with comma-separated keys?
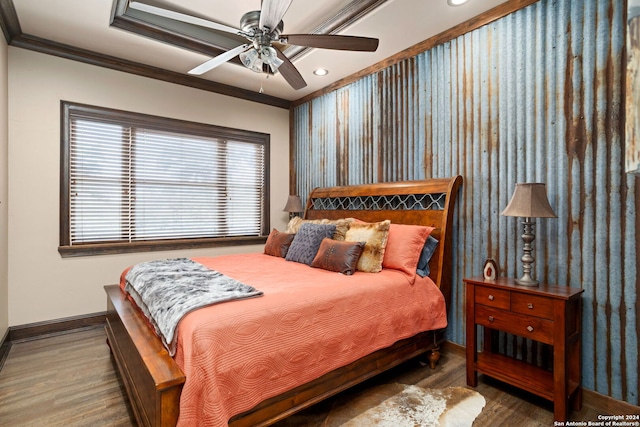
[
  {"x": 270, "y": 56},
  {"x": 251, "y": 59},
  {"x": 254, "y": 59},
  {"x": 455, "y": 3}
]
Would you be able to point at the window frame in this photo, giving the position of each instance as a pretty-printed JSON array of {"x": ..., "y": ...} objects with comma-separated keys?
[{"x": 69, "y": 109}]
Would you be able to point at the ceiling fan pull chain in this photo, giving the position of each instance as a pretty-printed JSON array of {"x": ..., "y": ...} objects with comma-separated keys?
[{"x": 266, "y": 78}]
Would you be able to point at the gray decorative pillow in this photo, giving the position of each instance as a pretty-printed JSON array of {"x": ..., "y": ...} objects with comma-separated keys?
[
  {"x": 427, "y": 252},
  {"x": 305, "y": 244}
]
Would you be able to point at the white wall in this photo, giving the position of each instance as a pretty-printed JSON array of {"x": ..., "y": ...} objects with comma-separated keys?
[
  {"x": 42, "y": 285},
  {"x": 4, "y": 287}
]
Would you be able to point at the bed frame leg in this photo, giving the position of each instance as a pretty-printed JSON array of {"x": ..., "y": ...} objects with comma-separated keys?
[{"x": 434, "y": 356}]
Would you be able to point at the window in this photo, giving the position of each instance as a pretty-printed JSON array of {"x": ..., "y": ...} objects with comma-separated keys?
[{"x": 133, "y": 182}]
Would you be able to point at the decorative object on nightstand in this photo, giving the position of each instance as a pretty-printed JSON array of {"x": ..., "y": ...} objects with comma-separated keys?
[
  {"x": 293, "y": 206},
  {"x": 529, "y": 201},
  {"x": 490, "y": 270}
]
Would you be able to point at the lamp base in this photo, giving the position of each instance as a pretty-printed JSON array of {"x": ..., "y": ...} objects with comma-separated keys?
[
  {"x": 527, "y": 258},
  {"x": 527, "y": 280}
]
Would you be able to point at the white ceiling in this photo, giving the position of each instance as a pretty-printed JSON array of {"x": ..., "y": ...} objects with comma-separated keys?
[{"x": 398, "y": 24}]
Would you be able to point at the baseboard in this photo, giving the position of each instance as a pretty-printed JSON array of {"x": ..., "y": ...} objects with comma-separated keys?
[
  {"x": 603, "y": 404},
  {"x": 452, "y": 347},
  {"x": 5, "y": 346},
  {"x": 55, "y": 327},
  {"x": 608, "y": 405}
]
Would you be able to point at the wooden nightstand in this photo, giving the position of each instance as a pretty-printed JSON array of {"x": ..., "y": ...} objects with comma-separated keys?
[{"x": 548, "y": 314}]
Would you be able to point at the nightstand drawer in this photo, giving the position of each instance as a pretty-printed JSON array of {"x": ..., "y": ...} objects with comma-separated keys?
[
  {"x": 528, "y": 327},
  {"x": 532, "y": 305},
  {"x": 492, "y": 297}
]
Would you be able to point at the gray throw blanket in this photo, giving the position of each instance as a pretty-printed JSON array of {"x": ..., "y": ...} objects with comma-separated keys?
[{"x": 166, "y": 290}]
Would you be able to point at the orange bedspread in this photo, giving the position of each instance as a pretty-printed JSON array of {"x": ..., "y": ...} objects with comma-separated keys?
[{"x": 309, "y": 322}]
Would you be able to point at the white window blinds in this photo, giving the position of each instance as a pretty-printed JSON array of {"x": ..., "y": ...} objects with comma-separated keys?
[{"x": 134, "y": 183}]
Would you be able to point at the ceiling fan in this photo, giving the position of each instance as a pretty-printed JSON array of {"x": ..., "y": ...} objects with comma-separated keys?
[{"x": 262, "y": 28}]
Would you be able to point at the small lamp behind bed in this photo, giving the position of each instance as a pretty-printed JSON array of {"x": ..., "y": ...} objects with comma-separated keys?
[{"x": 293, "y": 206}]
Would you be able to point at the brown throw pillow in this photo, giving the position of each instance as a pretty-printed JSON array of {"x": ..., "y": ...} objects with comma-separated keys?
[
  {"x": 375, "y": 236},
  {"x": 278, "y": 243},
  {"x": 335, "y": 255}
]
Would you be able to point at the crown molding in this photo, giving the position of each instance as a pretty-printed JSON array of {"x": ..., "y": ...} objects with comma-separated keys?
[{"x": 11, "y": 28}]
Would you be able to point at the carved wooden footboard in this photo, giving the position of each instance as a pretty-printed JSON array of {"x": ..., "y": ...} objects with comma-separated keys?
[{"x": 154, "y": 382}]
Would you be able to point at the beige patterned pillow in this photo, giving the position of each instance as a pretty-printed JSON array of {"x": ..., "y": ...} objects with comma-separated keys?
[
  {"x": 375, "y": 235},
  {"x": 342, "y": 225}
]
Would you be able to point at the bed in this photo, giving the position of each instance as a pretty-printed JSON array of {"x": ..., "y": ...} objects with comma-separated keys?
[{"x": 154, "y": 381}]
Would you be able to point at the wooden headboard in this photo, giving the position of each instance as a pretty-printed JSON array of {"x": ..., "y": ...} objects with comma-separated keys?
[{"x": 429, "y": 202}]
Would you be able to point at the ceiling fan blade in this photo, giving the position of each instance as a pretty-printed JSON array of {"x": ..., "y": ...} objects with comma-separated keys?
[
  {"x": 166, "y": 13},
  {"x": 272, "y": 12},
  {"x": 330, "y": 41},
  {"x": 290, "y": 72},
  {"x": 219, "y": 60}
]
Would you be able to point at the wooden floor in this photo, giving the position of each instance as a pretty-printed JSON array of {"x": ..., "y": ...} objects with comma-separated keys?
[{"x": 69, "y": 380}]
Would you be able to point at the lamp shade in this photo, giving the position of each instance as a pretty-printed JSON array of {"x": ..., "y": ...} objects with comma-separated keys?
[
  {"x": 529, "y": 200},
  {"x": 294, "y": 204}
]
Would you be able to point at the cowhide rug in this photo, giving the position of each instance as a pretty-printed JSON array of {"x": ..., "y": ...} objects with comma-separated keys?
[{"x": 411, "y": 406}]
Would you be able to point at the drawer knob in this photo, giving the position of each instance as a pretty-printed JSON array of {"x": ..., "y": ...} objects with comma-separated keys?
[
  {"x": 530, "y": 328},
  {"x": 530, "y": 305},
  {"x": 491, "y": 319},
  {"x": 491, "y": 297}
]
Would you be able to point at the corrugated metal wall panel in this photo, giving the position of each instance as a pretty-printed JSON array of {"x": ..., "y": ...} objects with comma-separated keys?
[{"x": 533, "y": 97}]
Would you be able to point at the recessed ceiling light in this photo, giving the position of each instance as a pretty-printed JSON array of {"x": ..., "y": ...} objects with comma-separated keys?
[
  {"x": 321, "y": 72},
  {"x": 456, "y": 2}
]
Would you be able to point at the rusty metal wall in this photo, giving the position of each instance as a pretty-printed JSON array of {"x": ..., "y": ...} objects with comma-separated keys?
[{"x": 536, "y": 96}]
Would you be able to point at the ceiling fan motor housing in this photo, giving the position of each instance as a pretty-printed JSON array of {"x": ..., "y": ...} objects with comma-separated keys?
[{"x": 251, "y": 20}]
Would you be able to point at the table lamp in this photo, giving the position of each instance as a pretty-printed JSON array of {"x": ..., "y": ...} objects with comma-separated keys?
[
  {"x": 293, "y": 206},
  {"x": 529, "y": 201}
]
